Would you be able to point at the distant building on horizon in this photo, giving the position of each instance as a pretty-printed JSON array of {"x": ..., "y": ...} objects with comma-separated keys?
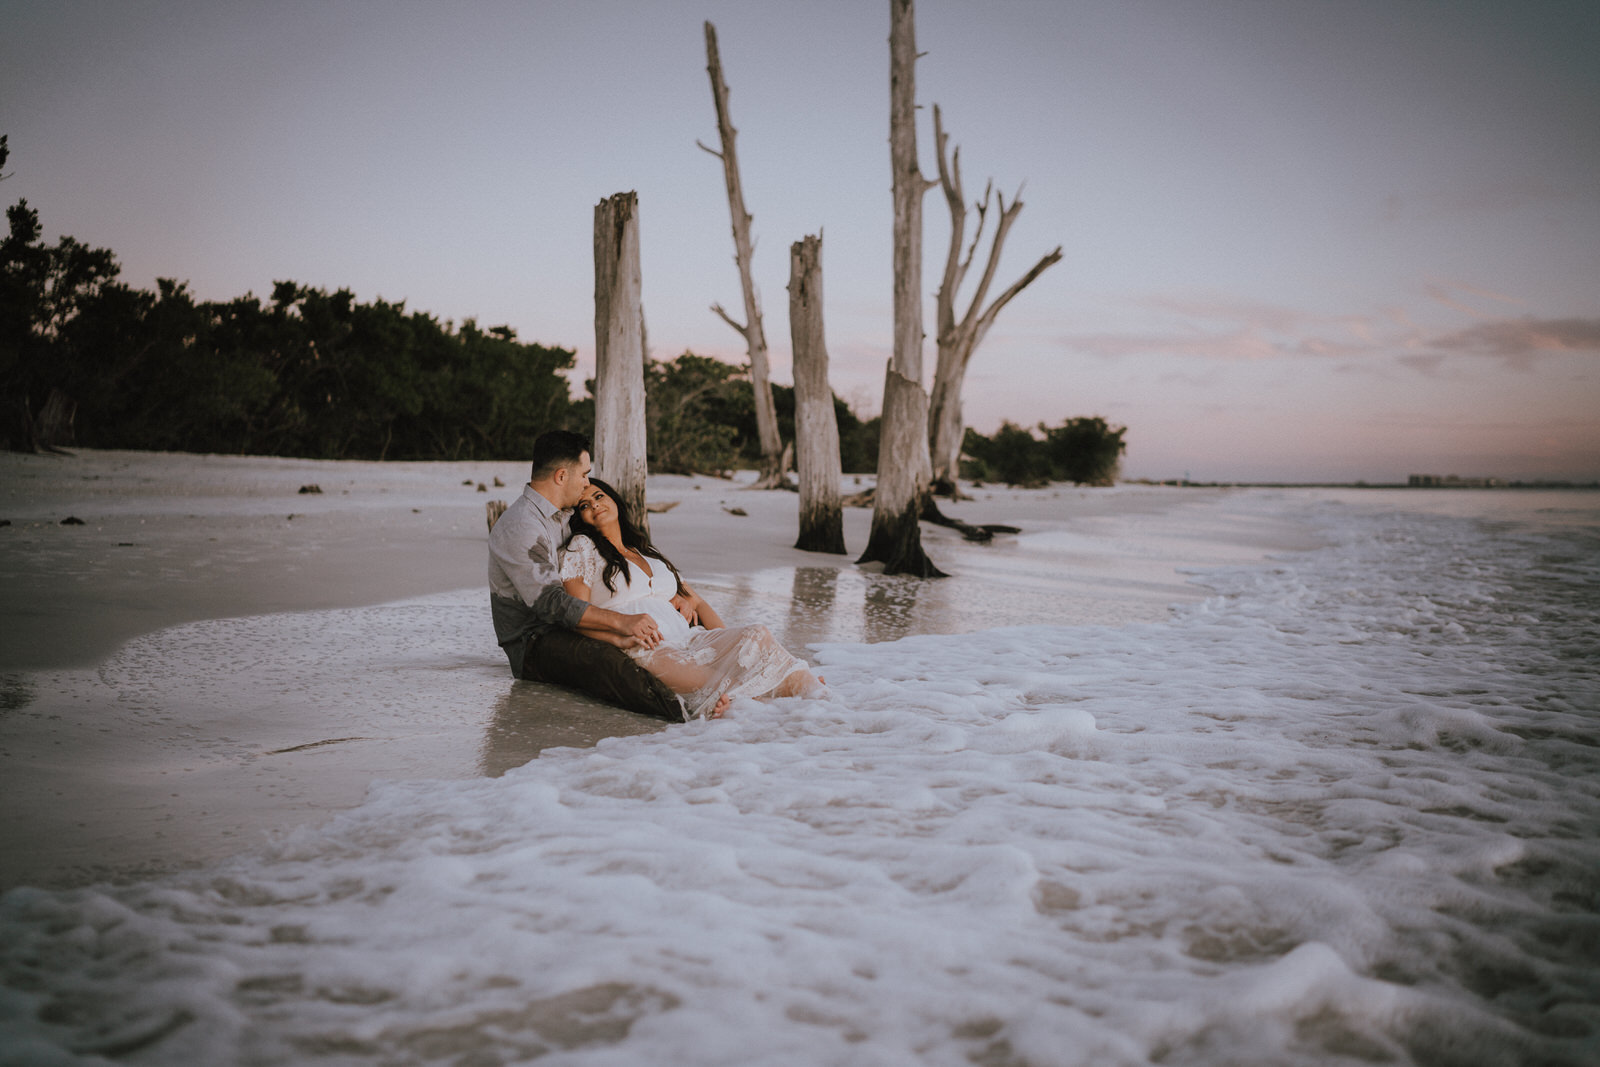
[{"x": 1449, "y": 481}]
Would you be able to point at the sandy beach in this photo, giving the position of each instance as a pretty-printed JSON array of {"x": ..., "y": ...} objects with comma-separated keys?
[
  {"x": 115, "y": 765},
  {"x": 1172, "y": 775}
]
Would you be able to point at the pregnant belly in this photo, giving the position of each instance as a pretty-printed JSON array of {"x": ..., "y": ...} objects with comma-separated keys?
[{"x": 674, "y": 628}]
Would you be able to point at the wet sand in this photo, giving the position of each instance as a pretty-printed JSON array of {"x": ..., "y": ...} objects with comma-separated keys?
[{"x": 213, "y": 656}]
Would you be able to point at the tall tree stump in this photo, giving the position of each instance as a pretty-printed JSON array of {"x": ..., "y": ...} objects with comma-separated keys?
[
  {"x": 905, "y": 466},
  {"x": 619, "y": 423},
  {"x": 54, "y": 426},
  {"x": 816, "y": 424},
  {"x": 896, "y": 537}
]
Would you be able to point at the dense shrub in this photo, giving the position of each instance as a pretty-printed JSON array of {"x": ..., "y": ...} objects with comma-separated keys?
[
  {"x": 86, "y": 359},
  {"x": 1087, "y": 451},
  {"x": 700, "y": 417}
]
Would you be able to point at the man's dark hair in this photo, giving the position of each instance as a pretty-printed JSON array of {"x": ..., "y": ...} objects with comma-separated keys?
[{"x": 555, "y": 449}]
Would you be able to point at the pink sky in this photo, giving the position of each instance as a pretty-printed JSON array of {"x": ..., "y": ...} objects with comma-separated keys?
[{"x": 1302, "y": 241}]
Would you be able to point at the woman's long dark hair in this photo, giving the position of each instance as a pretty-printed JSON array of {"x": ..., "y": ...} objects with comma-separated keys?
[{"x": 632, "y": 537}]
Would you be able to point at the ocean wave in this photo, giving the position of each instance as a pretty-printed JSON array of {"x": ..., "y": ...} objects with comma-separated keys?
[{"x": 1345, "y": 809}]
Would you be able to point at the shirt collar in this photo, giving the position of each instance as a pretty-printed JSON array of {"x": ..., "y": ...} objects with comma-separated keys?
[{"x": 542, "y": 505}]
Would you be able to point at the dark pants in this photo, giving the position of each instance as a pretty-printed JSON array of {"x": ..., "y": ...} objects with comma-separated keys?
[{"x": 605, "y": 672}]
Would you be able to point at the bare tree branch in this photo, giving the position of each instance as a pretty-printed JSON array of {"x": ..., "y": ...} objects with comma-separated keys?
[
  {"x": 1008, "y": 215},
  {"x": 987, "y": 318},
  {"x": 959, "y": 339},
  {"x": 703, "y": 148},
  {"x": 977, "y": 236},
  {"x": 717, "y": 309},
  {"x": 950, "y": 179},
  {"x": 752, "y": 332}
]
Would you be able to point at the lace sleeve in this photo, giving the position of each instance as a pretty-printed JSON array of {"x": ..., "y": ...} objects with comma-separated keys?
[{"x": 580, "y": 559}]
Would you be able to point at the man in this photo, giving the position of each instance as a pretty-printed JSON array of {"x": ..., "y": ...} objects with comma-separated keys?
[{"x": 536, "y": 620}]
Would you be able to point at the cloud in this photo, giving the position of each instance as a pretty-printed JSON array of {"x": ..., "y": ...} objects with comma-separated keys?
[
  {"x": 1223, "y": 330},
  {"x": 1426, "y": 364},
  {"x": 1189, "y": 379},
  {"x": 1520, "y": 341},
  {"x": 1448, "y": 299},
  {"x": 1486, "y": 198},
  {"x": 1251, "y": 314},
  {"x": 1489, "y": 294},
  {"x": 1236, "y": 345},
  {"x": 1446, "y": 293},
  {"x": 1244, "y": 344}
]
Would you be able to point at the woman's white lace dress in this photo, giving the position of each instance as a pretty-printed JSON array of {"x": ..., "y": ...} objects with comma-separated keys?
[{"x": 698, "y": 664}]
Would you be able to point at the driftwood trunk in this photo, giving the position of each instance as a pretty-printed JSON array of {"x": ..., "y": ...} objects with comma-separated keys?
[
  {"x": 904, "y": 466},
  {"x": 619, "y": 426},
  {"x": 816, "y": 426},
  {"x": 755, "y": 337}
]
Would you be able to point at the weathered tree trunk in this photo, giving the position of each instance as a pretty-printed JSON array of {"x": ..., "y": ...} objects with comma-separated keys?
[
  {"x": 903, "y": 460},
  {"x": 53, "y": 428},
  {"x": 895, "y": 534},
  {"x": 619, "y": 427},
  {"x": 816, "y": 426},
  {"x": 959, "y": 339},
  {"x": 755, "y": 337},
  {"x": 946, "y": 429}
]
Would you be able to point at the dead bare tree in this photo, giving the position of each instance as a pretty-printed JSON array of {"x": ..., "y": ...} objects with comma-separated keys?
[
  {"x": 903, "y": 461},
  {"x": 619, "y": 426},
  {"x": 816, "y": 425},
  {"x": 755, "y": 338},
  {"x": 958, "y": 340}
]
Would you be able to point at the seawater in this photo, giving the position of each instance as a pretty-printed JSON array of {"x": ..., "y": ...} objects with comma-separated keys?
[{"x": 1344, "y": 809}]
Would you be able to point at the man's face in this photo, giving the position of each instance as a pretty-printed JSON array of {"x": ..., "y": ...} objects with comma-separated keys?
[{"x": 577, "y": 480}]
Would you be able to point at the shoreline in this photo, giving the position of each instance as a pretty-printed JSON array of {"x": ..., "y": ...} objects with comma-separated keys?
[{"x": 194, "y": 668}]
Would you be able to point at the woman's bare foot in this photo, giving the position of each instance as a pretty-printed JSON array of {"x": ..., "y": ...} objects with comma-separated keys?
[
  {"x": 721, "y": 707},
  {"x": 802, "y": 683}
]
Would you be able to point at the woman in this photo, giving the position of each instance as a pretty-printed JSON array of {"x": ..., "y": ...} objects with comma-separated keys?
[{"x": 608, "y": 561}]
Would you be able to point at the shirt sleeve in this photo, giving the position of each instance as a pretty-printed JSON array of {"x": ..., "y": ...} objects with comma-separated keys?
[
  {"x": 532, "y": 571},
  {"x": 582, "y": 560}
]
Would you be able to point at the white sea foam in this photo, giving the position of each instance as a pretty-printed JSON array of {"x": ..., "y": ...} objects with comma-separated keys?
[{"x": 1344, "y": 810}]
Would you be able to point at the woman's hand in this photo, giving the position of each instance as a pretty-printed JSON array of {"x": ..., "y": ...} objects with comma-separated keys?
[
  {"x": 614, "y": 628},
  {"x": 703, "y": 614},
  {"x": 688, "y": 606}
]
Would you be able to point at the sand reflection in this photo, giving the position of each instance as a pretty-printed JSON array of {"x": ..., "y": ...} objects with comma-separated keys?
[
  {"x": 813, "y": 594},
  {"x": 15, "y": 692},
  {"x": 804, "y": 606},
  {"x": 530, "y": 717},
  {"x": 889, "y": 606}
]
